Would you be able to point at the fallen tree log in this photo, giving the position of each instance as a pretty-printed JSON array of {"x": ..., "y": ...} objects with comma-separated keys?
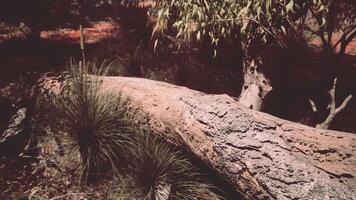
[{"x": 262, "y": 156}]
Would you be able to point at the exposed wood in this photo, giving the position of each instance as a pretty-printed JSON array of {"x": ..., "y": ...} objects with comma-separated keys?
[
  {"x": 262, "y": 156},
  {"x": 312, "y": 104},
  {"x": 334, "y": 110}
]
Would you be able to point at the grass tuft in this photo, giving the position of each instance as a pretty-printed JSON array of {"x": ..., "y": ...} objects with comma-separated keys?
[
  {"x": 162, "y": 171},
  {"x": 94, "y": 120}
]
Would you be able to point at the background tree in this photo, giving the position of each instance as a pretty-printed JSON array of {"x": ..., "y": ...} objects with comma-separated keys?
[
  {"x": 257, "y": 23},
  {"x": 252, "y": 23},
  {"x": 334, "y": 24}
]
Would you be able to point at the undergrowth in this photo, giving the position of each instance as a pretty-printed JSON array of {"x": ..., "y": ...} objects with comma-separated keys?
[
  {"x": 162, "y": 171},
  {"x": 145, "y": 166},
  {"x": 95, "y": 121}
]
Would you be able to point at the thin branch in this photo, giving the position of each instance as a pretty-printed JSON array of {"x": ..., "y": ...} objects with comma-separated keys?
[
  {"x": 344, "y": 36},
  {"x": 352, "y": 36},
  {"x": 344, "y": 103},
  {"x": 326, "y": 123},
  {"x": 339, "y": 41},
  {"x": 349, "y": 29},
  {"x": 312, "y": 104},
  {"x": 333, "y": 110},
  {"x": 344, "y": 43},
  {"x": 332, "y": 95}
]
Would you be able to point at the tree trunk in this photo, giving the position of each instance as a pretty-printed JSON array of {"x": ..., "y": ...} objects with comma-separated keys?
[{"x": 262, "y": 156}]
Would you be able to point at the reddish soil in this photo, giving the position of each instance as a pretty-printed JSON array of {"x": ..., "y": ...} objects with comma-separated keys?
[
  {"x": 93, "y": 34},
  {"x": 101, "y": 30},
  {"x": 96, "y": 33}
]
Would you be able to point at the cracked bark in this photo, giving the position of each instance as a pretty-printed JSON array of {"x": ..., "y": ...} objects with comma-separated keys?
[{"x": 262, "y": 156}]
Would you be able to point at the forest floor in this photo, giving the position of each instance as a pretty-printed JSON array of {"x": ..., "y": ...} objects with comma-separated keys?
[{"x": 49, "y": 174}]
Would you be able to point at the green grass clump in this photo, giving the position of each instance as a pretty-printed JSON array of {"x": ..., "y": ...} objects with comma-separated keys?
[
  {"x": 147, "y": 167},
  {"x": 162, "y": 171},
  {"x": 94, "y": 120}
]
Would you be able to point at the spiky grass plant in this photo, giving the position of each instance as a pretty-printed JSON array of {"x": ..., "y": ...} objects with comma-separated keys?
[
  {"x": 94, "y": 120},
  {"x": 123, "y": 189},
  {"x": 163, "y": 172}
]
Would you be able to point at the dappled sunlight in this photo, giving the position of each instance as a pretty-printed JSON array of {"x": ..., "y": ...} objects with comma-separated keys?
[
  {"x": 93, "y": 34},
  {"x": 96, "y": 33},
  {"x": 350, "y": 49}
]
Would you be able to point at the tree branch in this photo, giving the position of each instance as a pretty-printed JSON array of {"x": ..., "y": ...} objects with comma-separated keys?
[
  {"x": 326, "y": 123},
  {"x": 332, "y": 96},
  {"x": 345, "y": 43},
  {"x": 333, "y": 110},
  {"x": 353, "y": 28},
  {"x": 339, "y": 41},
  {"x": 313, "y": 106},
  {"x": 344, "y": 103}
]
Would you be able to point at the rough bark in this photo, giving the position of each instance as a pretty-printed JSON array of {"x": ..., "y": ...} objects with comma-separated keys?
[{"x": 262, "y": 156}]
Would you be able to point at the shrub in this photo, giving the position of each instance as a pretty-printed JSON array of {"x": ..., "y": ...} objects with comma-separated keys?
[
  {"x": 94, "y": 120},
  {"x": 162, "y": 171}
]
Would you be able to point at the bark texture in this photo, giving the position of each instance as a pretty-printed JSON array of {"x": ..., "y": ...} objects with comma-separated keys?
[{"x": 262, "y": 156}]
